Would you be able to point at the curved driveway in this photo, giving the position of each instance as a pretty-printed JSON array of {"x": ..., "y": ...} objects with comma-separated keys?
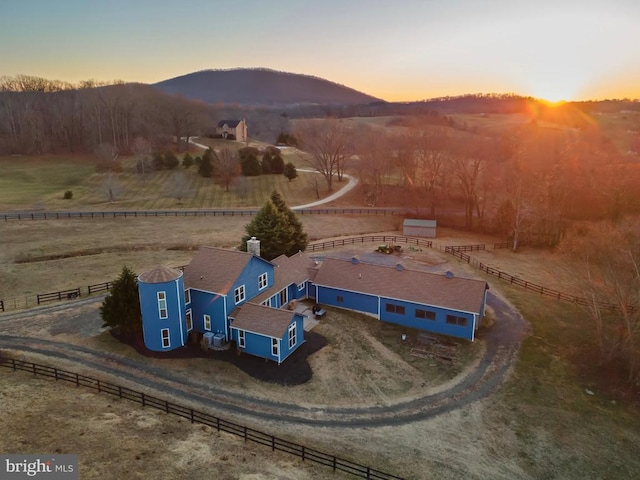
[{"x": 502, "y": 343}]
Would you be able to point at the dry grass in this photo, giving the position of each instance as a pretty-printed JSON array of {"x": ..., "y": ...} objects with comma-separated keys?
[
  {"x": 96, "y": 250},
  {"x": 540, "y": 424},
  {"x": 40, "y": 182},
  {"x": 115, "y": 439}
]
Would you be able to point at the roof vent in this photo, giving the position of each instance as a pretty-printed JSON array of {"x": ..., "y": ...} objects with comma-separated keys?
[
  {"x": 448, "y": 274},
  {"x": 355, "y": 260},
  {"x": 399, "y": 267}
]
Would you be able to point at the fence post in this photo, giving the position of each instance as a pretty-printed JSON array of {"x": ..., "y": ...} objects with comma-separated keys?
[
  {"x": 77, "y": 380},
  {"x": 99, "y": 386},
  {"x": 142, "y": 398},
  {"x": 303, "y": 453},
  {"x": 119, "y": 391},
  {"x": 273, "y": 443},
  {"x": 55, "y": 373},
  {"x": 218, "y": 423},
  {"x": 191, "y": 414},
  {"x": 34, "y": 369},
  {"x": 166, "y": 405}
]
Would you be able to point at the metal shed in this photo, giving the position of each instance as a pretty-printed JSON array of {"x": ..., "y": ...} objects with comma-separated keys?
[{"x": 413, "y": 227}]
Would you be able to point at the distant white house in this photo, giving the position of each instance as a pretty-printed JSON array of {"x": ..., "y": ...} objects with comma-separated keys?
[
  {"x": 232, "y": 130},
  {"x": 413, "y": 227}
]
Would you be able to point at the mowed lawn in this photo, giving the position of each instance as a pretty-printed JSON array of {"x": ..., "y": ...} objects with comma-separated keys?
[{"x": 28, "y": 183}]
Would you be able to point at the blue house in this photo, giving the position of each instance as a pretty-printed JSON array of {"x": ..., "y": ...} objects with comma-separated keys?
[
  {"x": 242, "y": 298},
  {"x": 161, "y": 292},
  {"x": 267, "y": 332},
  {"x": 435, "y": 303}
]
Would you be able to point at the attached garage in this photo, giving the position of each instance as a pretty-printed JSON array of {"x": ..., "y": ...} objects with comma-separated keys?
[{"x": 413, "y": 227}]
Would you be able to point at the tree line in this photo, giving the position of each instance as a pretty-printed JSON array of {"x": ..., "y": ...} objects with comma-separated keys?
[{"x": 524, "y": 182}]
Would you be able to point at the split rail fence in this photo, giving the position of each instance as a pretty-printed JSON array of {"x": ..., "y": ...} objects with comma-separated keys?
[
  {"x": 195, "y": 416},
  {"x": 6, "y": 216}
]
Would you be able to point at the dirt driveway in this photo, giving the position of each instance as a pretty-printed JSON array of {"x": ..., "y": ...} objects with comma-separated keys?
[{"x": 32, "y": 332}]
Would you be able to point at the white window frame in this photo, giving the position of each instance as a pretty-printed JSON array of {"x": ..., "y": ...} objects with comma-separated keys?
[
  {"x": 292, "y": 335},
  {"x": 241, "y": 339},
  {"x": 283, "y": 293},
  {"x": 162, "y": 305},
  {"x": 189, "y": 320},
  {"x": 187, "y": 296},
  {"x": 300, "y": 287},
  {"x": 238, "y": 294},
  {"x": 263, "y": 281},
  {"x": 166, "y": 339},
  {"x": 207, "y": 322},
  {"x": 275, "y": 347}
]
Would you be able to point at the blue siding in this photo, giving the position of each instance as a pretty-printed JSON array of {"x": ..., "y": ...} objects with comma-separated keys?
[
  {"x": 211, "y": 304},
  {"x": 152, "y": 324},
  {"x": 438, "y": 325},
  {"x": 261, "y": 345},
  {"x": 249, "y": 278},
  {"x": 359, "y": 302}
]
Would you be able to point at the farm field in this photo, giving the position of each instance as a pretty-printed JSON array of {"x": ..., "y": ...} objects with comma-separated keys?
[
  {"x": 115, "y": 440},
  {"x": 539, "y": 424},
  {"x": 37, "y": 183}
]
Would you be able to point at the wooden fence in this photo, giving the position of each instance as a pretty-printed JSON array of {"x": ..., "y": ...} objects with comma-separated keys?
[
  {"x": 550, "y": 292},
  {"x": 69, "y": 294},
  {"x": 195, "y": 416},
  {"x": 62, "y": 294},
  {"x": 194, "y": 213},
  {"x": 389, "y": 239}
]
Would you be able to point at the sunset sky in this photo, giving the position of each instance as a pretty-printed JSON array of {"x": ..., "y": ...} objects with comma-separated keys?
[{"x": 400, "y": 50}]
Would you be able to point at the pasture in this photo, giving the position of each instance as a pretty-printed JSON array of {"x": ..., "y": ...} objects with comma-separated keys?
[
  {"x": 36, "y": 183},
  {"x": 540, "y": 424}
]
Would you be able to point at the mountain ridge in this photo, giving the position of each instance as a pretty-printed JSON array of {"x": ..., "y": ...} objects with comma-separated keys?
[{"x": 261, "y": 87}]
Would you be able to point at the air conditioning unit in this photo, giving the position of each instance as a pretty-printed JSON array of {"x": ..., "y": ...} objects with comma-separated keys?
[
  {"x": 209, "y": 339},
  {"x": 218, "y": 340}
]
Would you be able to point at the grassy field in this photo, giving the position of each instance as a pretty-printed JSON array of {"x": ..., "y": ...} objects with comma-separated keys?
[
  {"x": 541, "y": 424},
  {"x": 28, "y": 183},
  {"x": 114, "y": 439}
]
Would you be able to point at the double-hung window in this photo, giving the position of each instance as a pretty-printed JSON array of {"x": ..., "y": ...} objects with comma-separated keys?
[
  {"x": 275, "y": 347},
  {"x": 166, "y": 342},
  {"x": 292, "y": 335},
  {"x": 207, "y": 322},
  {"x": 189, "y": 320},
  {"x": 262, "y": 281},
  {"x": 162, "y": 304},
  {"x": 238, "y": 294},
  {"x": 241, "y": 338}
]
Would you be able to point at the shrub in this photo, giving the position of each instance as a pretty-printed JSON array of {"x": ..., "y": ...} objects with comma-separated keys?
[{"x": 68, "y": 195}]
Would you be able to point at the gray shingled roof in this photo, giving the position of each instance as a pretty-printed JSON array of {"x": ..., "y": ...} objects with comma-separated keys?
[
  {"x": 215, "y": 269},
  {"x": 272, "y": 322},
  {"x": 230, "y": 123},
  {"x": 455, "y": 293},
  {"x": 160, "y": 274}
]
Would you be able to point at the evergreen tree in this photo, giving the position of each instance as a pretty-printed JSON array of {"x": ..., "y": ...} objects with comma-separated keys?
[
  {"x": 249, "y": 163},
  {"x": 121, "y": 308},
  {"x": 205, "y": 168},
  {"x": 272, "y": 228},
  {"x": 187, "y": 160},
  {"x": 300, "y": 238},
  {"x": 290, "y": 171}
]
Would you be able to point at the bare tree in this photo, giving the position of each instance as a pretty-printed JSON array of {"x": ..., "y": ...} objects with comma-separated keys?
[
  {"x": 608, "y": 272},
  {"x": 141, "y": 149},
  {"x": 112, "y": 187},
  {"x": 226, "y": 167},
  {"x": 375, "y": 154},
  {"x": 107, "y": 158},
  {"x": 327, "y": 142},
  {"x": 180, "y": 186}
]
